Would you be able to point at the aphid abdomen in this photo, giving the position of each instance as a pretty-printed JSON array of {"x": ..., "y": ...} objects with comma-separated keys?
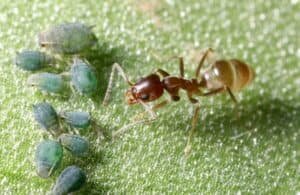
[
  {"x": 70, "y": 180},
  {"x": 48, "y": 157},
  {"x": 244, "y": 74}
]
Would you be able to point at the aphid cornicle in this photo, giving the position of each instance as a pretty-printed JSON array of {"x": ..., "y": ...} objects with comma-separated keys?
[
  {"x": 83, "y": 77},
  {"x": 76, "y": 144},
  {"x": 32, "y": 60},
  {"x": 68, "y": 38},
  {"x": 47, "y": 117},
  {"x": 49, "y": 83},
  {"x": 79, "y": 120},
  {"x": 221, "y": 76},
  {"x": 48, "y": 157},
  {"x": 70, "y": 180}
]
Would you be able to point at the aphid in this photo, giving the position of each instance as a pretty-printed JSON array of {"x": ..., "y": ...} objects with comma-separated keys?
[
  {"x": 49, "y": 83},
  {"x": 32, "y": 60},
  {"x": 221, "y": 76},
  {"x": 76, "y": 144},
  {"x": 83, "y": 77},
  {"x": 79, "y": 120},
  {"x": 48, "y": 157},
  {"x": 68, "y": 38},
  {"x": 47, "y": 117},
  {"x": 70, "y": 180}
]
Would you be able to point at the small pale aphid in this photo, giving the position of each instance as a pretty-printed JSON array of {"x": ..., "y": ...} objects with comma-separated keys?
[
  {"x": 47, "y": 117},
  {"x": 84, "y": 77},
  {"x": 79, "y": 120},
  {"x": 68, "y": 38},
  {"x": 70, "y": 180},
  {"x": 48, "y": 157},
  {"x": 49, "y": 83},
  {"x": 32, "y": 60},
  {"x": 76, "y": 144}
]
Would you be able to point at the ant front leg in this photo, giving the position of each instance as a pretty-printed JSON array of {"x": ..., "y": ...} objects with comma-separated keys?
[
  {"x": 155, "y": 107},
  {"x": 151, "y": 112},
  {"x": 119, "y": 69},
  {"x": 151, "y": 119}
]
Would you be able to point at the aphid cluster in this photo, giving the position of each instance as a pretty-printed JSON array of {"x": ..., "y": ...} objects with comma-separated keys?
[
  {"x": 60, "y": 42},
  {"x": 49, "y": 152}
]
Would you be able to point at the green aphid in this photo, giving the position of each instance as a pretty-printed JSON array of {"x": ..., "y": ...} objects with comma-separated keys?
[
  {"x": 32, "y": 60},
  {"x": 48, "y": 157},
  {"x": 78, "y": 120},
  {"x": 47, "y": 117},
  {"x": 76, "y": 144},
  {"x": 68, "y": 38},
  {"x": 83, "y": 77},
  {"x": 70, "y": 180},
  {"x": 49, "y": 82}
]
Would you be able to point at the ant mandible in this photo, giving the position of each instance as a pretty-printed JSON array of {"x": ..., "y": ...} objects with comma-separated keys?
[{"x": 221, "y": 76}]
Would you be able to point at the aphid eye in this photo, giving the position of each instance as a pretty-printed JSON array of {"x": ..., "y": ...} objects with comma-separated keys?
[{"x": 144, "y": 96}]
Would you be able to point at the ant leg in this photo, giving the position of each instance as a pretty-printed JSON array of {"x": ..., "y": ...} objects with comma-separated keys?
[
  {"x": 181, "y": 67},
  {"x": 200, "y": 65},
  {"x": 221, "y": 89},
  {"x": 188, "y": 147},
  {"x": 192, "y": 100},
  {"x": 231, "y": 95},
  {"x": 155, "y": 107},
  {"x": 115, "y": 67},
  {"x": 123, "y": 129},
  {"x": 162, "y": 72},
  {"x": 213, "y": 92},
  {"x": 152, "y": 118},
  {"x": 143, "y": 121}
]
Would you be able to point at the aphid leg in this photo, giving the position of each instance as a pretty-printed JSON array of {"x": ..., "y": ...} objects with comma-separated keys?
[
  {"x": 200, "y": 65},
  {"x": 188, "y": 147},
  {"x": 52, "y": 169},
  {"x": 162, "y": 72},
  {"x": 98, "y": 129},
  {"x": 115, "y": 67}
]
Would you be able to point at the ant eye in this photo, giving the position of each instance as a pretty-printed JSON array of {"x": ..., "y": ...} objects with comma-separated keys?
[{"x": 144, "y": 96}]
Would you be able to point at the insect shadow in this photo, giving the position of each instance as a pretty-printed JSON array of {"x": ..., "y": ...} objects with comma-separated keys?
[{"x": 267, "y": 116}]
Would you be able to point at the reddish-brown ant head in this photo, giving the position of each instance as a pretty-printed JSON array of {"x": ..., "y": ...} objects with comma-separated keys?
[{"x": 146, "y": 89}]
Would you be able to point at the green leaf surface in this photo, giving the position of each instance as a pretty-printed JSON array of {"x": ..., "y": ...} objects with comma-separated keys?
[{"x": 257, "y": 152}]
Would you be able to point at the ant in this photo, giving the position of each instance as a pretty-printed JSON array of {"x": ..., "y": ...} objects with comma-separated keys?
[{"x": 221, "y": 76}]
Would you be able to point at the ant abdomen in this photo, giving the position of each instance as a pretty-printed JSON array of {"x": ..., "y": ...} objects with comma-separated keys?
[{"x": 232, "y": 73}]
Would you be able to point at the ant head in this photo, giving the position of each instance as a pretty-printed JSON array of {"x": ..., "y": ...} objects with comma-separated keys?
[{"x": 146, "y": 89}]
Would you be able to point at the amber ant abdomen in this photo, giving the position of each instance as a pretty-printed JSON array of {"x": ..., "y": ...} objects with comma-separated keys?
[{"x": 232, "y": 73}]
